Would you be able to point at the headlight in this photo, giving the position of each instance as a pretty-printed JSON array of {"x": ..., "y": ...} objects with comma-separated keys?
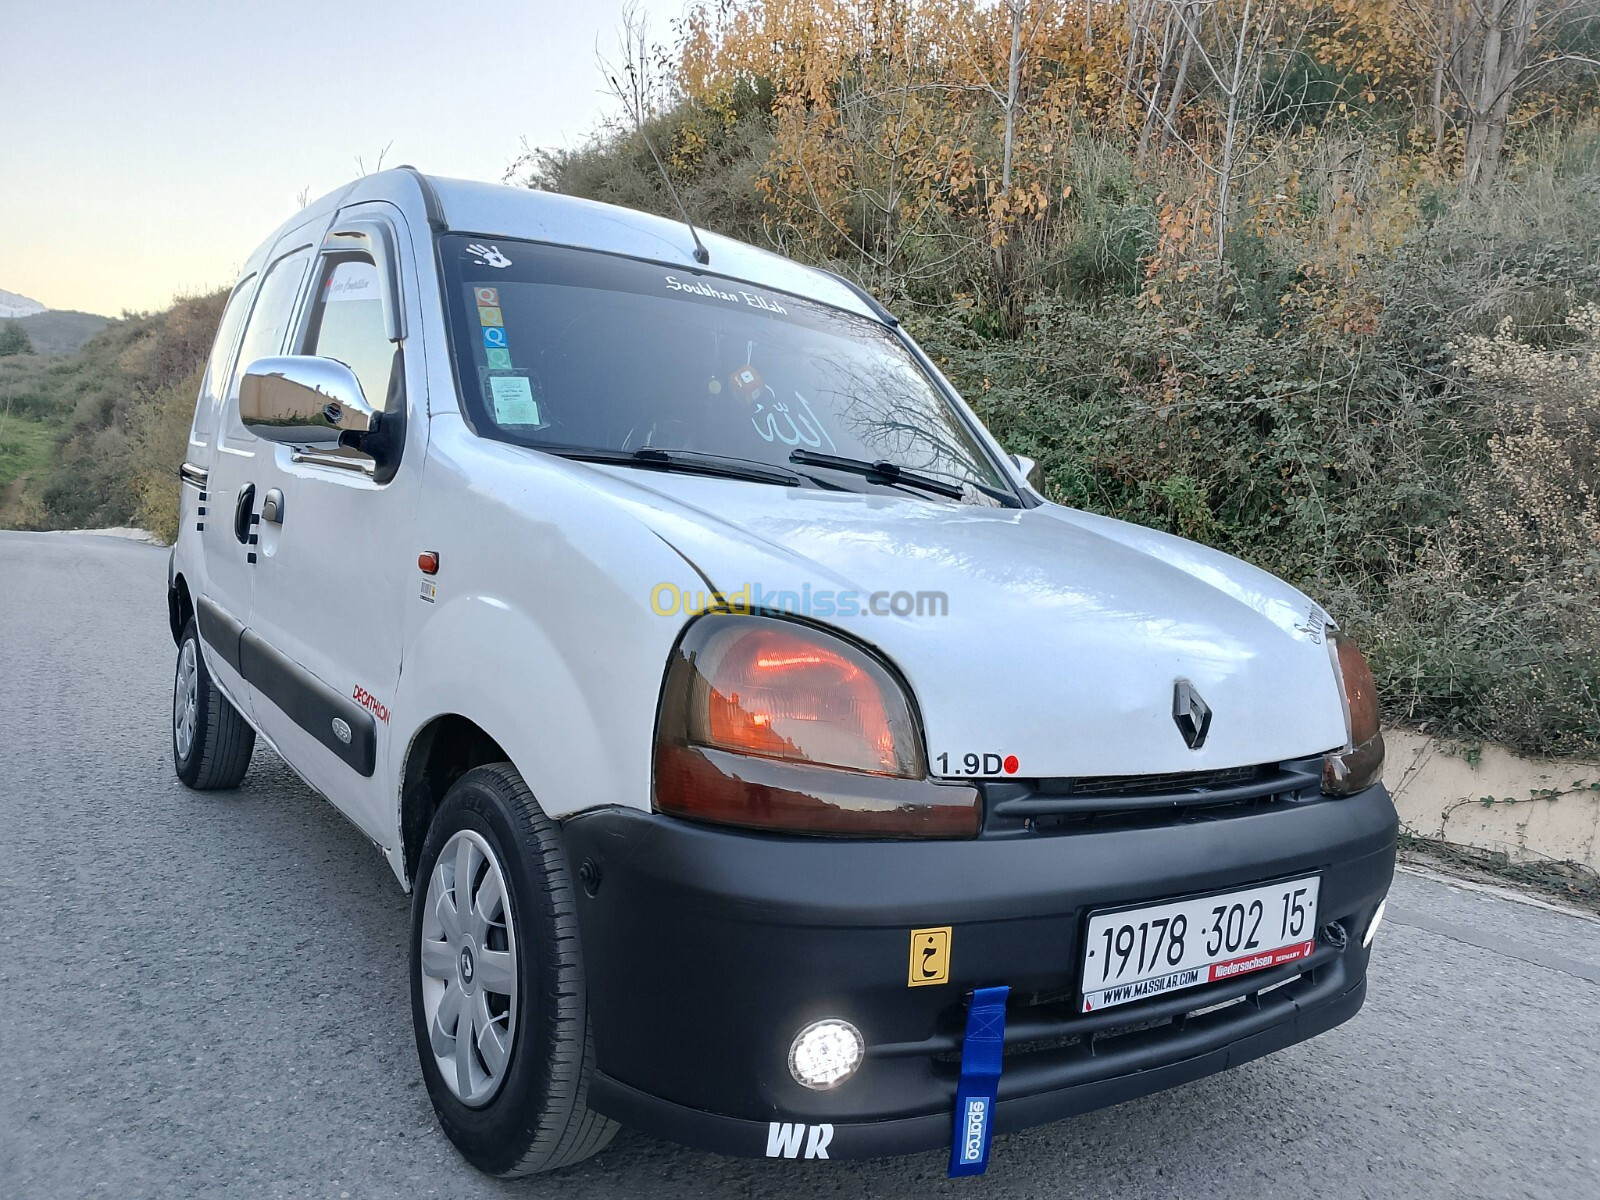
[
  {"x": 1360, "y": 764},
  {"x": 774, "y": 724}
]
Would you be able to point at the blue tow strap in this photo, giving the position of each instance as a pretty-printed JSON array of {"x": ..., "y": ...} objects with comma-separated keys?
[{"x": 980, "y": 1081}]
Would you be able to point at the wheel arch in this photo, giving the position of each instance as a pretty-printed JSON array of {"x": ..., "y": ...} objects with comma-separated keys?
[
  {"x": 570, "y": 710},
  {"x": 180, "y": 606},
  {"x": 441, "y": 751}
]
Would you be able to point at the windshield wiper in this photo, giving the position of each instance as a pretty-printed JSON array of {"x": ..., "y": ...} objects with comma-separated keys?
[
  {"x": 693, "y": 461},
  {"x": 881, "y": 471}
]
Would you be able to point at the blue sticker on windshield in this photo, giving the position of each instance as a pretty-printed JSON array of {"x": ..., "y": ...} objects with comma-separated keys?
[{"x": 493, "y": 335}]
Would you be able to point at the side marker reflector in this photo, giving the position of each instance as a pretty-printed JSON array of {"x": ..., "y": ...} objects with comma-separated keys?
[
  {"x": 1372, "y": 925},
  {"x": 980, "y": 1081}
]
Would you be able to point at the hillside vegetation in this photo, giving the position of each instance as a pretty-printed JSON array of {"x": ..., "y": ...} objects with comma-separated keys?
[
  {"x": 60, "y": 331},
  {"x": 1311, "y": 282},
  {"x": 95, "y": 440}
]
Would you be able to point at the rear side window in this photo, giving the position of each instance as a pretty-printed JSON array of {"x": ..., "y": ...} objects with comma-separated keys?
[
  {"x": 347, "y": 325},
  {"x": 269, "y": 320},
  {"x": 205, "y": 410}
]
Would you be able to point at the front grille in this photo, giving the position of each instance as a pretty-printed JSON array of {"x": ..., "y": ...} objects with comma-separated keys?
[
  {"x": 1058, "y": 805},
  {"x": 1153, "y": 785}
]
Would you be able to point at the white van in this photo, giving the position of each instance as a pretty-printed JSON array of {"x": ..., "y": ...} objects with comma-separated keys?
[{"x": 773, "y": 768}]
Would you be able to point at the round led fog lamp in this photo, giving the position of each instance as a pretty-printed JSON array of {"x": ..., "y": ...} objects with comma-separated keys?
[{"x": 826, "y": 1053}]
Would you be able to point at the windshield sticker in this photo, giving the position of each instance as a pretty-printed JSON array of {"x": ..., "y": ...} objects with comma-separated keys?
[
  {"x": 348, "y": 284},
  {"x": 747, "y": 382},
  {"x": 512, "y": 398},
  {"x": 740, "y": 296},
  {"x": 486, "y": 297},
  {"x": 491, "y": 316},
  {"x": 497, "y": 360},
  {"x": 488, "y": 256},
  {"x": 796, "y": 427},
  {"x": 494, "y": 335}
]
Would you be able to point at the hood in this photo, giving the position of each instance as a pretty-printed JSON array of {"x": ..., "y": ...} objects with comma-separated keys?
[{"x": 1062, "y": 636}]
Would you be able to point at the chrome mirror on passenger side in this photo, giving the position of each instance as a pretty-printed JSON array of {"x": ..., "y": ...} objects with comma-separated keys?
[{"x": 303, "y": 400}]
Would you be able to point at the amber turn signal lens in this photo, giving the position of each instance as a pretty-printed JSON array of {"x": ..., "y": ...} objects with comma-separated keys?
[
  {"x": 1360, "y": 691},
  {"x": 768, "y": 793},
  {"x": 1360, "y": 764}
]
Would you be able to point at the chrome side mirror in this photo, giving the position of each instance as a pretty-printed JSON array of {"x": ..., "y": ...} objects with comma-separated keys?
[
  {"x": 304, "y": 401},
  {"x": 1030, "y": 471}
]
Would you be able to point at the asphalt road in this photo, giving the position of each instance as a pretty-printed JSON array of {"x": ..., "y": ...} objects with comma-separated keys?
[{"x": 206, "y": 995}]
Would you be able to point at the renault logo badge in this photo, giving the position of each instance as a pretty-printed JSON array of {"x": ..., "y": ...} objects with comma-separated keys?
[{"x": 1191, "y": 714}]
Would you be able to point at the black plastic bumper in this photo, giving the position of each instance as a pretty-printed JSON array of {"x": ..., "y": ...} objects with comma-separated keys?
[{"x": 707, "y": 950}]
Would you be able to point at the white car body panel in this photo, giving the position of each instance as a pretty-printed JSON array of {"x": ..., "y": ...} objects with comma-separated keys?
[{"x": 1065, "y": 632}]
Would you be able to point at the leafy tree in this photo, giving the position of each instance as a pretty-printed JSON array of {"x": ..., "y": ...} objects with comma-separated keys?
[{"x": 14, "y": 340}]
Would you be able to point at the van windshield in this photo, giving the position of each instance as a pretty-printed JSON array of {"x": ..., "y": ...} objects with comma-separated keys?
[{"x": 575, "y": 350}]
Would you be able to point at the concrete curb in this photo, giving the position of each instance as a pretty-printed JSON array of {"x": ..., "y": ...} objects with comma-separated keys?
[{"x": 129, "y": 532}]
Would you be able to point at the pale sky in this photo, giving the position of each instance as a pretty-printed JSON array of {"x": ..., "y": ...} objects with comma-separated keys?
[{"x": 147, "y": 148}]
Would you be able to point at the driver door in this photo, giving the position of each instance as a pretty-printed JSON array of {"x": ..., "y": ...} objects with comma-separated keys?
[{"x": 335, "y": 534}]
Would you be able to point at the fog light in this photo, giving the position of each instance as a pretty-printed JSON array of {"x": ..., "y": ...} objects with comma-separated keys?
[
  {"x": 1372, "y": 925},
  {"x": 826, "y": 1053}
]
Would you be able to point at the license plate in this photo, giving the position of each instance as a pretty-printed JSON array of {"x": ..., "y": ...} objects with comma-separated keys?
[{"x": 1135, "y": 953}]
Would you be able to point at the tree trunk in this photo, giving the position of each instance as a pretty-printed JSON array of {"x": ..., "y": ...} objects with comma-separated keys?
[
  {"x": 1444, "y": 50},
  {"x": 1483, "y": 89},
  {"x": 1013, "y": 85},
  {"x": 1175, "y": 100},
  {"x": 1497, "y": 55},
  {"x": 1170, "y": 33},
  {"x": 1006, "y": 254},
  {"x": 1230, "y": 135}
]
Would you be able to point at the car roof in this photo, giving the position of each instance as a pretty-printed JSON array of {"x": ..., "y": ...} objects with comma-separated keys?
[{"x": 497, "y": 210}]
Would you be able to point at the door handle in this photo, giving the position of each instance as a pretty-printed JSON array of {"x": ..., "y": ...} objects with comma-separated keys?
[
  {"x": 272, "y": 507},
  {"x": 243, "y": 518}
]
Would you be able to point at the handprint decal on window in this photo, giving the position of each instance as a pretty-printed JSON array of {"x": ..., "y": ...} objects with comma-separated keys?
[{"x": 488, "y": 256}]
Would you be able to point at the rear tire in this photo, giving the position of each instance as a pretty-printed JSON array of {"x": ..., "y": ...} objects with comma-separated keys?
[
  {"x": 498, "y": 957},
  {"x": 211, "y": 742}
]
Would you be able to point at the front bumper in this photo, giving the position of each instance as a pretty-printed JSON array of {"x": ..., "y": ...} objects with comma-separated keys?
[{"x": 706, "y": 950}]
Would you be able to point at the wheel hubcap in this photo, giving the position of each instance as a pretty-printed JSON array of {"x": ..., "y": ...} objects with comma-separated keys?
[
  {"x": 185, "y": 699},
  {"x": 469, "y": 969}
]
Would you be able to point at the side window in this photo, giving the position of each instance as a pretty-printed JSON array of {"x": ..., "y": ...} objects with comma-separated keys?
[
  {"x": 263, "y": 335},
  {"x": 205, "y": 409},
  {"x": 347, "y": 324}
]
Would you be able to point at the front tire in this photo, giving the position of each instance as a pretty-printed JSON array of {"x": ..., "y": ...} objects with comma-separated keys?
[
  {"x": 211, "y": 742},
  {"x": 498, "y": 1003}
]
